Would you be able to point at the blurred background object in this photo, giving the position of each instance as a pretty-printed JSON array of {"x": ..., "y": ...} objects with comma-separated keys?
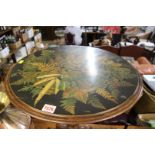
[{"x": 13, "y": 118}]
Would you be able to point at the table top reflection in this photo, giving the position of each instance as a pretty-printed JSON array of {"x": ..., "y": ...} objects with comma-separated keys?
[{"x": 73, "y": 84}]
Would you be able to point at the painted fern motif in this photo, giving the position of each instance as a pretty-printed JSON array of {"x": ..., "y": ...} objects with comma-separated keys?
[
  {"x": 95, "y": 102},
  {"x": 26, "y": 88},
  {"x": 44, "y": 91},
  {"x": 78, "y": 94},
  {"x": 104, "y": 93},
  {"x": 51, "y": 87},
  {"x": 81, "y": 95},
  {"x": 27, "y": 78},
  {"x": 69, "y": 105},
  {"x": 34, "y": 76}
]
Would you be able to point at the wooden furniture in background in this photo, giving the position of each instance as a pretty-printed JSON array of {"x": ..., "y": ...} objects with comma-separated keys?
[
  {"x": 48, "y": 32},
  {"x": 69, "y": 39},
  {"x": 90, "y": 36},
  {"x": 112, "y": 49},
  {"x": 134, "y": 51}
]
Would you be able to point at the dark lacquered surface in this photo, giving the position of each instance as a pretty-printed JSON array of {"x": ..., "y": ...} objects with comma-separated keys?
[{"x": 86, "y": 80}]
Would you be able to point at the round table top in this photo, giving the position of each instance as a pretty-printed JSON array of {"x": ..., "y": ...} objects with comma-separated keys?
[{"x": 73, "y": 84}]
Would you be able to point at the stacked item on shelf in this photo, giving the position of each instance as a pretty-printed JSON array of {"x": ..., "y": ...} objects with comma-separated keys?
[
  {"x": 23, "y": 35},
  {"x": 29, "y": 46},
  {"x": 37, "y": 36},
  {"x": 21, "y": 53},
  {"x": 38, "y": 39},
  {"x": 3, "y": 28},
  {"x": 4, "y": 49},
  {"x": 26, "y": 35},
  {"x": 13, "y": 42},
  {"x": 20, "y": 42},
  {"x": 30, "y": 32}
]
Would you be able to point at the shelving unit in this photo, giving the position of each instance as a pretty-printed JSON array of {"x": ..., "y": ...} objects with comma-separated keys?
[
  {"x": 4, "y": 60},
  {"x": 13, "y": 52},
  {"x": 5, "y": 31}
]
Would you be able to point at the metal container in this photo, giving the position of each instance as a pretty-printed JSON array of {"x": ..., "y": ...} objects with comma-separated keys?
[{"x": 12, "y": 118}]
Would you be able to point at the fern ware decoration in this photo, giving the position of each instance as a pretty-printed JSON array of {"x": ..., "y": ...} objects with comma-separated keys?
[
  {"x": 64, "y": 77},
  {"x": 52, "y": 80},
  {"x": 104, "y": 93},
  {"x": 43, "y": 81},
  {"x": 43, "y": 91},
  {"x": 95, "y": 102},
  {"x": 57, "y": 84},
  {"x": 69, "y": 105}
]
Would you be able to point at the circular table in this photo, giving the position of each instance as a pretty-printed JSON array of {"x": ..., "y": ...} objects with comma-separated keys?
[{"x": 73, "y": 85}]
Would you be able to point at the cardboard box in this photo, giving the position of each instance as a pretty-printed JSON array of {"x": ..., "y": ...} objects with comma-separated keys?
[
  {"x": 24, "y": 37},
  {"x": 21, "y": 53},
  {"x": 29, "y": 46},
  {"x": 38, "y": 38},
  {"x": 16, "y": 45},
  {"x": 16, "y": 30},
  {"x": 5, "y": 52},
  {"x": 30, "y": 33}
]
